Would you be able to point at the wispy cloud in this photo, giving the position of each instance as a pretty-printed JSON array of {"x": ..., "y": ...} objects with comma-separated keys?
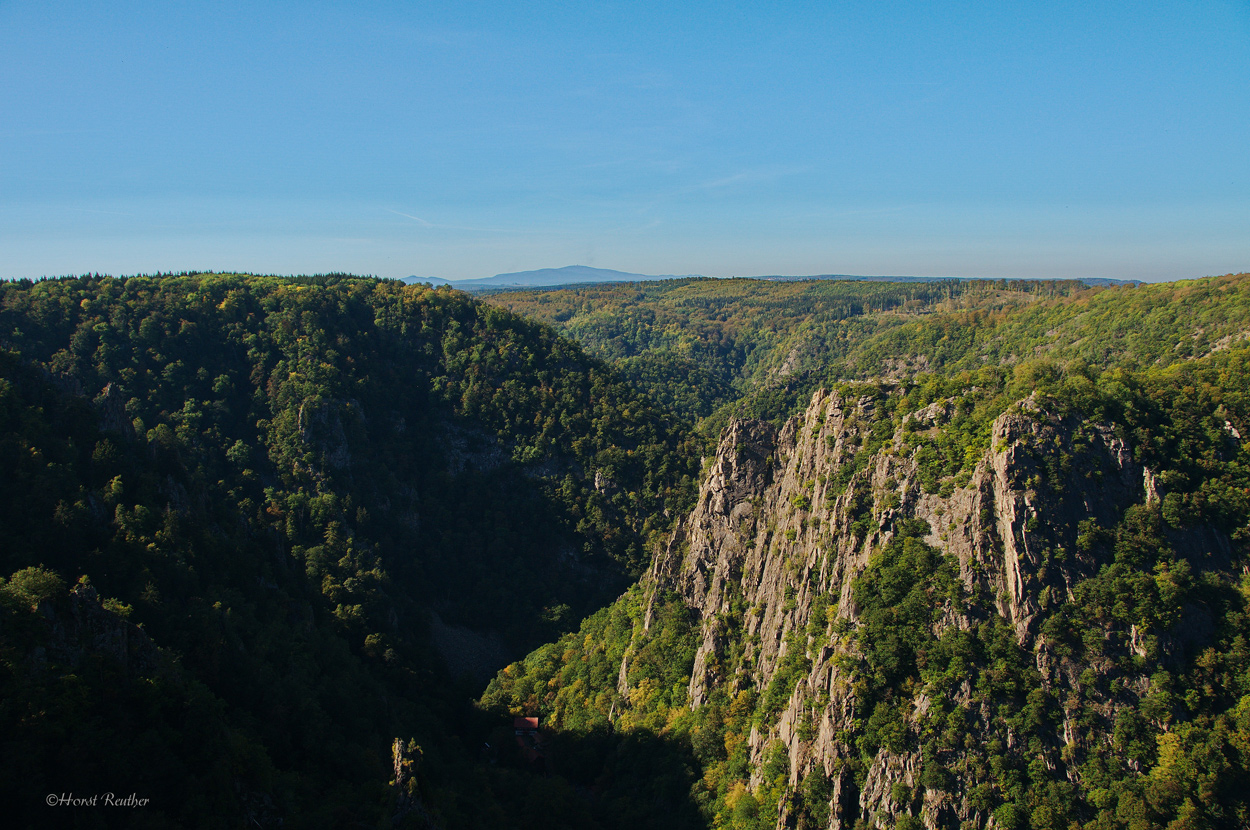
[{"x": 416, "y": 219}]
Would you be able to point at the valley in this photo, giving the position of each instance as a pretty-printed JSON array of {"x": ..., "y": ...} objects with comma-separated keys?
[{"x": 757, "y": 554}]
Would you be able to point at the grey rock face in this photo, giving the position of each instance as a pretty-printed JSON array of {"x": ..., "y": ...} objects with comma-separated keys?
[
  {"x": 773, "y": 530},
  {"x": 90, "y": 629},
  {"x": 112, "y": 411}
]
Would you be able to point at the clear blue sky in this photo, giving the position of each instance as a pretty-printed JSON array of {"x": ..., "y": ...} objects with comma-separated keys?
[{"x": 464, "y": 139}]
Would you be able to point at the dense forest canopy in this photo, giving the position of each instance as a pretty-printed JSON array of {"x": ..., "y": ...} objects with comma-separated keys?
[
  {"x": 707, "y": 347},
  {"x": 698, "y": 344},
  {"x": 280, "y": 480},
  {"x": 255, "y": 529}
]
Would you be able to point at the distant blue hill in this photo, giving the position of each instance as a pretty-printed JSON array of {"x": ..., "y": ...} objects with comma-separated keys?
[
  {"x": 569, "y": 275},
  {"x": 584, "y": 275}
]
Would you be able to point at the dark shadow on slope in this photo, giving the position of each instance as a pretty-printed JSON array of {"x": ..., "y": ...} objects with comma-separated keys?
[{"x": 598, "y": 779}]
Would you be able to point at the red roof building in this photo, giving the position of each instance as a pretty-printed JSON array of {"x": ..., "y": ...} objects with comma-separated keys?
[{"x": 530, "y": 740}]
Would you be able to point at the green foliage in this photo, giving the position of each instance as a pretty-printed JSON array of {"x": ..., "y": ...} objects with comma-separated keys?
[
  {"x": 815, "y": 793},
  {"x": 901, "y": 595},
  {"x": 276, "y": 477},
  {"x": 29, "y": 587},
  {"x": 622, "y": 741},
  {"x": 1143, "y": 582},
  {"x": 792, "y": 667},
  {"x": 275, "y": 480},
  {"x": 758, "y": 348},
  {"x": 767, "y": 345},
  {"x": 90, "y": 706}
]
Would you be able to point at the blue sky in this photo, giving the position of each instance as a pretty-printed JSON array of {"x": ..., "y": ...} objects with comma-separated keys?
[{"x": 465, "y": 139}]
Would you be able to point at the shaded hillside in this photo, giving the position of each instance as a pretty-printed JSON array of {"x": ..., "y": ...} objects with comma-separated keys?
[{"x": 280, "y": 480}]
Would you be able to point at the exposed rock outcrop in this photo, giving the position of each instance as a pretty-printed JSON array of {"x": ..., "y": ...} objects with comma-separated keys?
[
  {"x": 83, "y": 628},
  {"x": 322, "y": 425},
  {"x": 409, "y": 809},
  {"x": 786, "y": 516},
  {"x": 112, "y": 411}
]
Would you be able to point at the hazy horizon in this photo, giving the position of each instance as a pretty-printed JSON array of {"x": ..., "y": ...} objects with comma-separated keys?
[{"x": 974, "y": 139}]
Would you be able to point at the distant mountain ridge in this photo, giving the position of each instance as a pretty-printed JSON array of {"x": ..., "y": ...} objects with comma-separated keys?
[
  {"x": 585, "y": 274},
  {"x": 568, "y": 275}
]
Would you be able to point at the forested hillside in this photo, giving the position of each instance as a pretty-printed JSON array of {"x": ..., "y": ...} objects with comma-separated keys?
[
  {"x": 977, "y": 595},
  {"x": 266, "y": 495},
  {"x": 699, "y": 345},
  {"x": 762, "y": 555},
  {"x": 711, "y": 348}
]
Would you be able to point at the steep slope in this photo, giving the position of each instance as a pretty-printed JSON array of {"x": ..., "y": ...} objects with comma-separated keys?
[
  {"x": 325, "y": 501},
  {"x": 901, "y": 620}
]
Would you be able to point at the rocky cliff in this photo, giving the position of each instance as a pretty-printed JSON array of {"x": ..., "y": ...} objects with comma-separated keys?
[{"x": 932, "y": 702}]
